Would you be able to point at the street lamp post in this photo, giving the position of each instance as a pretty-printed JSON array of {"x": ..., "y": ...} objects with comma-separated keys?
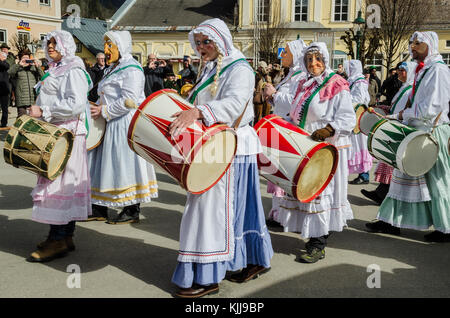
[{"x": 357, "y": 24}]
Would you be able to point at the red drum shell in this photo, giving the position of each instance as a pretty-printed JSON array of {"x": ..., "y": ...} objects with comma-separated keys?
[
  {"x": 186, "y": 157},
  {"x": 304, "y": 167}
]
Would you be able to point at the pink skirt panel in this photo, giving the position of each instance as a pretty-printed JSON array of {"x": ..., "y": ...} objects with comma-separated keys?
[
  {"x": 361, "y": 162},
  {"x": 68, "y": 197},
  {"x": 274, "y": 189}
]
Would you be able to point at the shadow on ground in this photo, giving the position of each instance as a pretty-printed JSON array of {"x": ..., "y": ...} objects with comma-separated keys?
[
  {"x": 94, "y": 251},
  {"x": 15, "y": 197}
]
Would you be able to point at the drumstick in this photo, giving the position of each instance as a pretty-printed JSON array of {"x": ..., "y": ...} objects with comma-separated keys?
[
  {"x": 371, "y": 110},
  {"x": 435, "y": 122},
  {"x": 129, "y": 103}
]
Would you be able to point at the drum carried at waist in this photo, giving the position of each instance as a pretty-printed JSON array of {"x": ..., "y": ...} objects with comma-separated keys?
[
  {"x": 96, "y": 133},
  {"x": 38, "y": 147},
  {"x": 292, "y": 160},
  {"x": 369, "y": 118},
  {"x": 412, "y": 151},
  {"x": 359, "y": 110},
  {"x": 197, "y": 158}
]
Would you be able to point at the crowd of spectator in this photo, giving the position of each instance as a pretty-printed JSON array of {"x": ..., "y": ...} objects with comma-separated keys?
[{"x": 18, "y": 76}]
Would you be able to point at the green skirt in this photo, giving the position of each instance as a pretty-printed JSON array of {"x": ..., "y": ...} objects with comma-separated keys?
[{"x": 421, "y": 215}]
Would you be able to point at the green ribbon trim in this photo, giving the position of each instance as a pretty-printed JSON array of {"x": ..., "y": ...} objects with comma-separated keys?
[
  {"x": 296, "y": 73},
  {"x": 211, "y": 79},
  {"x": 398, "y": 99},
  {"x": 360, "y": 78},
  {"x": 121, "y": 69},
  {"x": 302, "y": 122}
]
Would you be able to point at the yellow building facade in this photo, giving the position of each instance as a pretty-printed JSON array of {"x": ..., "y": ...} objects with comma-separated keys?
[
  {"x": 29, "y": 19},
  {"x": 311, "y": 20}
]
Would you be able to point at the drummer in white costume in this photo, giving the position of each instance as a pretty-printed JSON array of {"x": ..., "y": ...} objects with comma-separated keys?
[
  {"x": 62, "y": 101},
  {"x": 323, "y": 107},
  {"x": 281, "y": 98},
  {"x": 224, "y": 228},
  {"x": 418, "y": 203},
  {"x": 360, "y": 160},
  {"x": 119, "y": 178},
  {"x": 383, "y": 171}
]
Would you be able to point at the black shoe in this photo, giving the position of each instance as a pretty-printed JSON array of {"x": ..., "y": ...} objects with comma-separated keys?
[
  {"x": 359, "y": 180},
  {"x": 311, "y": 256},
  {"x": 197, "y": 291},
  {"x": 129, "y": 214},
  {"x": 372, "y": 195},
  {"x": 438, "y": 237},
  {"x": 248, "y": 273},
  {"x": 382, "y": 227},
  {"x": 273, "y": 223},
  {"x": 99, "y": 213}
]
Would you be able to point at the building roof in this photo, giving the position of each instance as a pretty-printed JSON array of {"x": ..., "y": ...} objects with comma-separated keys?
[
  {"x": 169, "y": 15},
  {"x": 90, "y": 33}
]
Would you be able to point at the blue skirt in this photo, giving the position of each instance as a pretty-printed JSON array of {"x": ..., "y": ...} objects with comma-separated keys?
[{"x": 252, "y": 239}]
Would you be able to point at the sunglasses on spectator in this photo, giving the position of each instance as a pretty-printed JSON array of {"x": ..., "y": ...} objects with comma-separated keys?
[{"x": 205, "y": 42}]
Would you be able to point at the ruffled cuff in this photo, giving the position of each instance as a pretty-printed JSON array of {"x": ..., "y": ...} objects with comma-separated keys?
[
  {"x": 46, "y": 114},
  {"x": 208, "y": 116},
  {"x": 105, "y": 113}
]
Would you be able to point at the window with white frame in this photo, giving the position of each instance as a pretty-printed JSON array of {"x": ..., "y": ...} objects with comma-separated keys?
[
  {"x": 446, "y": 58},
  {"x": 377, "y": 61},
  {"x": 447, "y": 43},
  {"x": 44, "y": 2},
  {"x": 3, "y": 36},
  {"x": 341, "y": 10},
  {"x": 338, "y": 59},
  {"x": 42, "y": 36},
  {"x": 24, "y": 37},
  {"x": 263, "y": 10},
  {"x": 301, "y": 10}
]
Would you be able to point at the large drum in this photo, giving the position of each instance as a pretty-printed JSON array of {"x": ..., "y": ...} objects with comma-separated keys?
[
  {"x": 38, "y": 147},
  {"x": 412, "y": 151},
  {"x": 359, "y": 110},
  {"x": 292, "y": 160},
  {"x": 197, "y": 158},
  {"x": 369, "y": 118}
]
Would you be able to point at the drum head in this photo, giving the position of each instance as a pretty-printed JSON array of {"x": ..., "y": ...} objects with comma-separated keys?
[
  {"x": 359, "y": 110},
  {"x": 58, "y": 157},
  {"x": 211, "y": 162},
  {"x": 96, "y": 132},
  {"x": 420, "y": 154},
  {"x": 317, "y": 173},
  {"x": 368, "y": 120}
]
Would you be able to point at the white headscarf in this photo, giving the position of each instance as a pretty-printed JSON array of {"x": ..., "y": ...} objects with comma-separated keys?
[
  {"x": 296, "y": 48},
  {"x": 216, "y": 30},
  {"x": 123, "y": 41},
  {"x": 354, "y": 70},
  {"x": 432, "y": 40},
  {"x": 66, "y": 46}
]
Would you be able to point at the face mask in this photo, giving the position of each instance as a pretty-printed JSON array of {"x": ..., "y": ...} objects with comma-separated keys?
[
  {"x": 111, "y": 52},
  {"x": 314, "y": 63}
]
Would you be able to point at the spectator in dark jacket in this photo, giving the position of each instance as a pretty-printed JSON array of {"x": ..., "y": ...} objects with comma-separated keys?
[
  {"x": 96, "y": 72},
  {"x": 188, "y": 73},
  {"x": 5, "y": 88},
  {"x": 25, "y": 76},
  {"x": 390, "y": 86},
  {"x": 11, "y": 60},
  {"x": 155, "y": 72}
]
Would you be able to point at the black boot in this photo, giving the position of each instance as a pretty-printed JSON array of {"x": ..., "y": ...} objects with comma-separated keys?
[
  {"x": 129, "y": 214},
  {"x": 382, "y": 227},
  {"x": 99, "y": 213}
]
